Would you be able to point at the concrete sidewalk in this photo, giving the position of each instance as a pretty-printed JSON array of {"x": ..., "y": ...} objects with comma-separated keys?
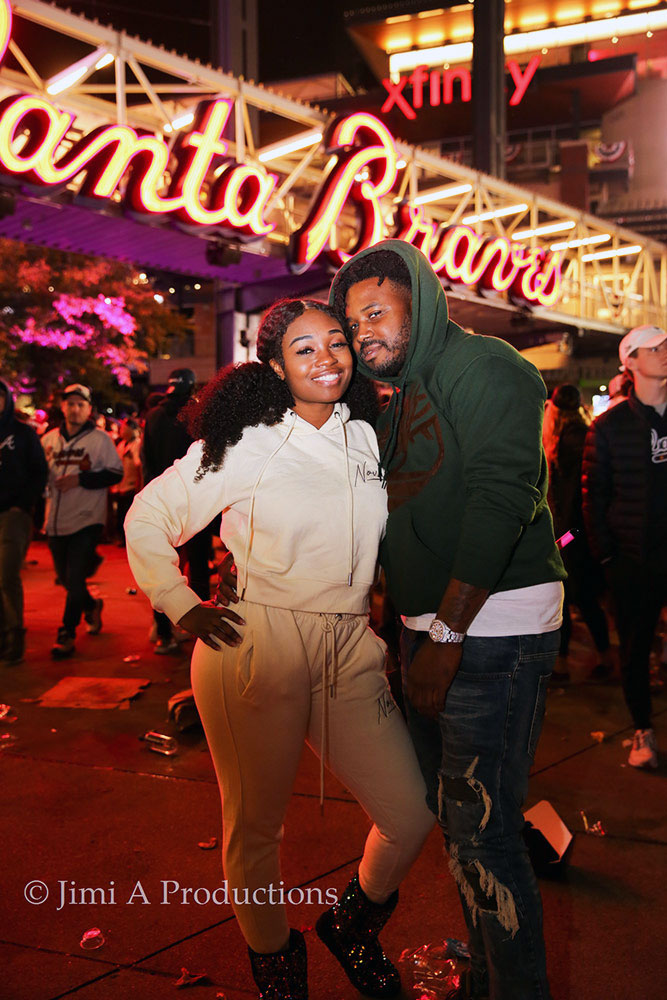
[{"x": 86, "y": 805}]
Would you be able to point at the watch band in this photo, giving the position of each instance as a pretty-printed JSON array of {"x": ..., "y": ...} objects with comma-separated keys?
[{"x": 440, "y": 632}]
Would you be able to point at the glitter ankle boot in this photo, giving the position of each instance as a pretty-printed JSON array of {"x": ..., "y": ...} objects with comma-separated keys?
[
  {"x": 282, "y": 975},
  {"x": 350, "y": 931}
]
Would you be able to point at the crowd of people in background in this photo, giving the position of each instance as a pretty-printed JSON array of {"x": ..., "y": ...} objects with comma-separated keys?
[
  {"x": 72, "y": 474},
  {"x": 608, "y": 496}
]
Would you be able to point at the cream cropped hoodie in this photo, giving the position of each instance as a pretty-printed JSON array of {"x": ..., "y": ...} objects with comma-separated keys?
[{"x": 303, "y": 512}]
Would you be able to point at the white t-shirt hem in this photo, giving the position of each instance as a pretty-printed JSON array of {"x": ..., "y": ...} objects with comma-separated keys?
[{"x": 525, "y": 611}]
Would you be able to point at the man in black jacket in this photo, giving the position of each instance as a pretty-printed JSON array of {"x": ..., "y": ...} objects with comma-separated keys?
[
  {"x": 166, "y": 439},
  {"x": 625, "y": 510},
  {"x": 23, "y": 473}
]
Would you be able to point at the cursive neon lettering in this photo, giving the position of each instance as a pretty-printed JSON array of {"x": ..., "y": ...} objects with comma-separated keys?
[{"x": 33, "y": 132}]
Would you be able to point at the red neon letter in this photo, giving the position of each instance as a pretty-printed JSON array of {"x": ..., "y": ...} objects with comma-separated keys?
[
  {"x": 521, "y": 80},
  {"x": 411, "y": 226},
  {"x": 449, "y": 76},
  {"x": 396, "y": 97},
  {"x": 434, "y": 94},
  {"x": 46, "y": 128},
  {"x": 5, "y": 26},
  {"x": 418, "y": 79},
  {"x": 378, "y": 161}
]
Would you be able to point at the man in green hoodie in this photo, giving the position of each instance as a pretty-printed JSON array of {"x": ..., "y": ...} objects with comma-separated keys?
[{"x": 473, "y": 569}]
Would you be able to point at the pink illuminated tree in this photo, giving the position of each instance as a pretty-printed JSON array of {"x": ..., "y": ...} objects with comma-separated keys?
[{"x": 66, "y": 318}]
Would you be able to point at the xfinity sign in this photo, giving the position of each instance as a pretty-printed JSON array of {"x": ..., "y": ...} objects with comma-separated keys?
[{"x": 437, "y": 86}]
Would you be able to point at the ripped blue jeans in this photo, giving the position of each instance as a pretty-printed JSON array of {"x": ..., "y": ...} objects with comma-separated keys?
[{"x": 476, "y": 758}]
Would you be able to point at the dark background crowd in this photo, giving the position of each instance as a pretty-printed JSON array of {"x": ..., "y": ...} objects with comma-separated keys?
[{"x": 597, "y": 469}]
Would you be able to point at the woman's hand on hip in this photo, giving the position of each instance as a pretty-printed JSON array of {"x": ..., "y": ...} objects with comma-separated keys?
[
  {"x": 226, "y": 589},
  {"x": 208, "y": 622}
]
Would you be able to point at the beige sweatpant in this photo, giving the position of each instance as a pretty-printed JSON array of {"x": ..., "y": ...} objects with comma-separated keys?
[{"x": 295, "y": 676}]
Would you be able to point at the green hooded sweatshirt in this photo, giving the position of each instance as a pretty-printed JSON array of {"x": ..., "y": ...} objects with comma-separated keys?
[{"x": 461, "y": 445}]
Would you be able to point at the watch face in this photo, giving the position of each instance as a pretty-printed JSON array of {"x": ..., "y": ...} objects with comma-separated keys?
[{"x": 437, "y": 631}]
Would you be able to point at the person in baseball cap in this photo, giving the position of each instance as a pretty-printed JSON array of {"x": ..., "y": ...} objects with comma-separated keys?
[
  {"x": 76, "y": 389},
  {"x": 624, "y": 490},
  {"x": 641, "y": 336},
  {"x": 181, "y": 382}
]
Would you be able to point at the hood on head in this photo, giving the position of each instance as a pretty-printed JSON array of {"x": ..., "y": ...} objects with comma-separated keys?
[
  {"x": 8, "y": 414},
  {"x": 430, "y": 314}
]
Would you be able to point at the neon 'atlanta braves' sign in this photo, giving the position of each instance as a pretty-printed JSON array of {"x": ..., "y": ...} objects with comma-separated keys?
[{"x": 238, "y": 200}]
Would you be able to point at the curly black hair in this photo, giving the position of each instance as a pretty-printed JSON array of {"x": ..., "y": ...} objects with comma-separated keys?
[
  {"x": 250, "y": 394},
  {"x": 380, "y": 264}
]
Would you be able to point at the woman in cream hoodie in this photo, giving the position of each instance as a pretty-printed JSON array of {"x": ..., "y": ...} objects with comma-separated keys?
[{"x": 295, "y": 473}]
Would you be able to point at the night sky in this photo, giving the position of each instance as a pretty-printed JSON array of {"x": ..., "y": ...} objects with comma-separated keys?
[{"x": 291, "y": 44}]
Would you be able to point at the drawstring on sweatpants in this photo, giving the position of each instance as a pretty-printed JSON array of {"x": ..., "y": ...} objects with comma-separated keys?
[{"x": 329, "y": 629}]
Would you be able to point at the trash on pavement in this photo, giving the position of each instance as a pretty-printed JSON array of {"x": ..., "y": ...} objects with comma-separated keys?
[
  {"x": 208, "y": 845},
  {"x": 92, "y": 939},
  {"x": 188, "y": 978},
  {"x": 160, "y": 743},
  {"x": 438, "y": 971},
  {"x": 94, "y": 692},
  {"x": 547, "y": 838},
  {"x": 595, "y": 829}
]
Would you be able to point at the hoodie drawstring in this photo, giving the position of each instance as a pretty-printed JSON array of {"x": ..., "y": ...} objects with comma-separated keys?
[
  {"x": 328, "y": 621},
  {"x": 396, "y": 414},
  {"x": 251, "y": 510},
  {"x": 350, "y": 503}
]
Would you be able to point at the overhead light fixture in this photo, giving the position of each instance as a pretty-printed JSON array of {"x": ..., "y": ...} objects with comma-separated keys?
[
  {"x": 608, "y": 254},
  {"x": 534, "y": 41},
  {"x": 439, "y": 194},
  {"x": 550, "y": 227},
  {"x": 398, "y": 43},
  {"x": 285, "y": 146},
  {"x": 585, "y": 241},
  {"x": 185, "y": 119},
  {"x": 77, "y": 71},
  {"x": 498, "y": 213}
]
